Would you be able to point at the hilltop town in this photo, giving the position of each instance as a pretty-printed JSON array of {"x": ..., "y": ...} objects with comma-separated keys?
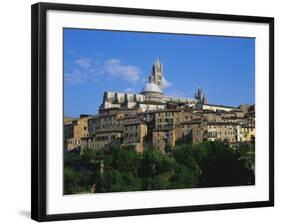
[{"x": 152, "y": 119}]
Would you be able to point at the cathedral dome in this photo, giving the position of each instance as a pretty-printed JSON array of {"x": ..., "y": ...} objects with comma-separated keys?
[{"x": 151, "y": 87}]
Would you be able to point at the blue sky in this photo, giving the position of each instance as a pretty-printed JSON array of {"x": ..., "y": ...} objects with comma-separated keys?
[{"x": 96, "y": 60}]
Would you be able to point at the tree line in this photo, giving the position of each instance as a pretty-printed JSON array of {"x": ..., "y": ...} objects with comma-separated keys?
[{"x": 120, "y": 169}]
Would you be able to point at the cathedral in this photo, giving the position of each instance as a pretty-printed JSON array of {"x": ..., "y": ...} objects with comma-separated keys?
[{"x": 152, "y": 96}]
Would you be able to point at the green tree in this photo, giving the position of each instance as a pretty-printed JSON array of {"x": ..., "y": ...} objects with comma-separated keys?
[
  {"x": 75, "y": 182},
  {"x": 184, "y": 177},
  {"x": 222, "y": 167},
  {"x": 112, "y": 181},
  {"x": 153, "y": 162},
  {"x": 157, "y": 182},
  {"x": 116, "y": 169},
  {"x": 187, "y": 172},
  {"x": 168, "y": 148}
]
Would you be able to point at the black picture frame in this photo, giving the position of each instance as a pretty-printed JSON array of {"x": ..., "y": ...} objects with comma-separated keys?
[{"x": 39, "y": 123}]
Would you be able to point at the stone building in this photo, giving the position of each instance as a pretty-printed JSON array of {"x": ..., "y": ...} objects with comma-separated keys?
[
  {"x": 74, "y": 131},
  {"x": 223, "y": 131},
  {"x": 172, "y": 126},
  {"x": 248, "y": 130},
  {"x": 163, "y": 138},
  {"x": 214, "y": 107},
  {"x": 135, "y": 134},
  {"x": 152, "y": 119}
]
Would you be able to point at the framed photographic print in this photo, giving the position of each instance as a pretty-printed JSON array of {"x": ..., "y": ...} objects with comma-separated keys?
[{"x": 140, "y": 111}]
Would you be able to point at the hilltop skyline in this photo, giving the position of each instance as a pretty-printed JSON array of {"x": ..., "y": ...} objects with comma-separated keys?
[{"x": 97, "y": 61}]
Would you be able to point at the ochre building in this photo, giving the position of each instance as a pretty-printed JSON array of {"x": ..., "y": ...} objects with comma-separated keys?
[{"x": 150, "y": 119}]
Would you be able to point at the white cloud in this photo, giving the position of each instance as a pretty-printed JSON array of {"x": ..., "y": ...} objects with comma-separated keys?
[
  {"x": 75, "y": 77},
  {"x": 96, "y": 71},
  {"x": 87, "y": 69},
  {"x": 166, "y": 83},
  {"x": 84, "y": 63},
  {"x": 115, "y": 68}
]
